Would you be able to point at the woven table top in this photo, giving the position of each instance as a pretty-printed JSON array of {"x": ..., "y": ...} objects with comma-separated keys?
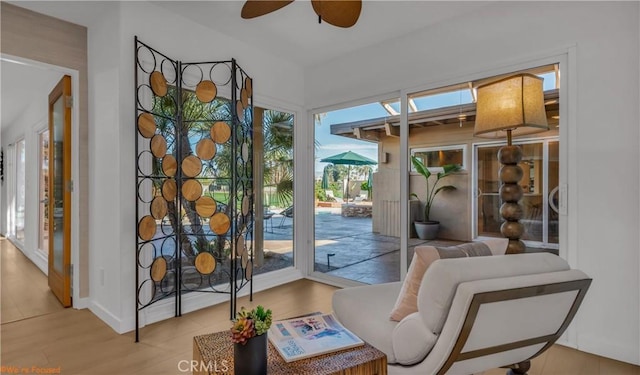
[{"x": 218, "y": 347}]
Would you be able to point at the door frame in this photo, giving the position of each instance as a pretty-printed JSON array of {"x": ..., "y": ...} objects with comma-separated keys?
[{"x": 78, "y": 302}]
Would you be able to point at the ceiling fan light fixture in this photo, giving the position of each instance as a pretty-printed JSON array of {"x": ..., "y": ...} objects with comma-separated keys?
[{"x": 340, "y": 13}]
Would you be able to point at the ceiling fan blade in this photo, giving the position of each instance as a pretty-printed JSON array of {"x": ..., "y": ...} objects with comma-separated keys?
[
  {"x": 257, "y": 8},
  {"x": 344, "y": 13}
]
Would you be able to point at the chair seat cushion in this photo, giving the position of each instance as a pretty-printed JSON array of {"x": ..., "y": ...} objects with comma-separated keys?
[{"x": 364, "y": 310}]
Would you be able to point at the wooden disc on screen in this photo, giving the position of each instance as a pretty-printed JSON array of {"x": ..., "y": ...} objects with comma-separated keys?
[
  {"x": 205, "y": 263},
  {"x": 240, "y": 250},
  {"x": 240, "y": 111},
  {"x": 146, "y": 125},
  {"x": 169, "y": 165},
  {"x": 191, "y": 166},
  {"x": 206, "y": 149},
  {"x": 244, "y": 98},
  {"x": 245, "y": 205},
  {"x": 191, "y": 190},
  {"x": 147, "y": 228},
  {"x": 220, "y": 223},
  {"x": 248, "y": 271},
  {"x": 206, "y": 91},
  {"x": 158, "y": 146},
  {"x": 158, "y": 269},
  {"x": 206, "y": 206},
  {"x": 158, "y": 83},
  {"x": 220, "y": 132},
  {"x": 245, "y": 259},
  {"x": 248, "y": 84},
  {"x": 159, "y": 208},
  {"x": 169, "y": 189}
]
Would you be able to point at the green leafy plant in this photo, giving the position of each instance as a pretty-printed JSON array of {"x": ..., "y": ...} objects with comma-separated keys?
[
  {"x": 250, "y": 323},
  {"x": 432, "y": 191}
]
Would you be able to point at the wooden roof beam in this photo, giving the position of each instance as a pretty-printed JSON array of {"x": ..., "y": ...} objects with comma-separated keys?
[{"x": 391, "y": 131}]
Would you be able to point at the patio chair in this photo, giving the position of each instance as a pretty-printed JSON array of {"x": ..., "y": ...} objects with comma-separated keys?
[
  {"x": 474, "y": 314},
  {"x": 286, "y": 213},
  {"x": 329, "y": 194}
]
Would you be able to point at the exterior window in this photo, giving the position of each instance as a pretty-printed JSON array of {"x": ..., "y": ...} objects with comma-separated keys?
[{"x": 436, "y": 157}]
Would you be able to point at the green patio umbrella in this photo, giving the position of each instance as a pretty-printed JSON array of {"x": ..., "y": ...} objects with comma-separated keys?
[
  {"x": 325, "y": 178},
  {"x": 370, "y": 183},
  {"x": 348, "y": 158}
]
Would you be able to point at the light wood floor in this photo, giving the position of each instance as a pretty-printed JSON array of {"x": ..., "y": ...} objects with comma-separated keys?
[
  {"x": 80, "y": 343},
  {"x": 25, "y": 292}
]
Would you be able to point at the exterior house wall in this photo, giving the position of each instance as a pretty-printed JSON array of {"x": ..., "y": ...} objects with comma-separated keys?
[
  {"x": 603, "y": 77},
  {"x": 452, "y": 209}
]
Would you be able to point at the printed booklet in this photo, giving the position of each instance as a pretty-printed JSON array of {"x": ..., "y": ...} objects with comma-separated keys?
[{"x": 309, "y": 336}]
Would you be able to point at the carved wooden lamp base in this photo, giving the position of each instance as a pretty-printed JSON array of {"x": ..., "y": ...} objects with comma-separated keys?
[{"x": 510, "y": 193}]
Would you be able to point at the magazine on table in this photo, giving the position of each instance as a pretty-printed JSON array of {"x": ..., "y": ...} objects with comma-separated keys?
[{"x": 308, "y": 336}]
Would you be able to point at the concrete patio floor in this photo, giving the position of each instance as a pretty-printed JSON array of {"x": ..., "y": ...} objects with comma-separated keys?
[{"x": 346, "y": 247}]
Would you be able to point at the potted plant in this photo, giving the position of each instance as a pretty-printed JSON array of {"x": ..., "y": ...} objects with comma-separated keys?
[
  {"x": 249, "y": 335},
  {"x": 428, "y": 229}
]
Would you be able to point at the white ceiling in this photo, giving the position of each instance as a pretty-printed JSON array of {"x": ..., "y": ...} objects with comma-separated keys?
[
  {"x": 20, "y": 85},
  {"x": 292, "y": 32}
]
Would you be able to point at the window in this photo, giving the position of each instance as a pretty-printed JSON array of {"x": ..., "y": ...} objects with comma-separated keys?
[
  {"x": 436, "y": 157},
  {"x": 20, "y": 191}
]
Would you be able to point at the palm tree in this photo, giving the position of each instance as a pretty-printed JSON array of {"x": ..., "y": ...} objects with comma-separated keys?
[
  {"x": 197, "y": 118},
  {"x": 278, "y": 154}
]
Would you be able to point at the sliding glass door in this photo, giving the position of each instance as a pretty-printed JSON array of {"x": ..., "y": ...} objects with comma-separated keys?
[{"x": 540, "y": 164}]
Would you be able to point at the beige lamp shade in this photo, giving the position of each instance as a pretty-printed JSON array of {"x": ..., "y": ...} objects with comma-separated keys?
[{"x": 514, "y": 103}]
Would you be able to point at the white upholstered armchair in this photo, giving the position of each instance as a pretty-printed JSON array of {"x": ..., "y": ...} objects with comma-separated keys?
[{"x": 474, "y": 314}]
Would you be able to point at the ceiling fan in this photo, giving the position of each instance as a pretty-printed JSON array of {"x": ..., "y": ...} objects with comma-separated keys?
[{"x": 341, "y": 13}]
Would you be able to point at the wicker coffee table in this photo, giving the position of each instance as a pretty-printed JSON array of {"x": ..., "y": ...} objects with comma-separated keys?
[{"x": 213, "y": 354}]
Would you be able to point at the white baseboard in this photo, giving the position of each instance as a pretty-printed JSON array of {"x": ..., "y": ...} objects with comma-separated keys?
[
  {"x": 106, "y": 316},
  {"x": 40, "y": 261},
  {"x": 81, "y": 303},
  {"x": 195, "y": 301}
]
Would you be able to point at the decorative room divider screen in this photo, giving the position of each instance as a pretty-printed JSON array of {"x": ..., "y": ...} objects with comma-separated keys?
[{"x": 194, "y": 179}]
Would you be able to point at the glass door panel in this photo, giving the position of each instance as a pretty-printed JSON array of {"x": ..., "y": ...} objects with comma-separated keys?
[
  {"x": 58, "y": 184},
  {"x": 43, "y": 192},
  {"x": 553, "y": 197},
  {"x": 357, "y": 206},
  {"x": 540, "y": 176}
]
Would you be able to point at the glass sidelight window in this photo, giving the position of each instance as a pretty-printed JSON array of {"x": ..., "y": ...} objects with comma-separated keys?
[
  {"x": 540, "y": 178},
  {"x": 20, "y": 191}
]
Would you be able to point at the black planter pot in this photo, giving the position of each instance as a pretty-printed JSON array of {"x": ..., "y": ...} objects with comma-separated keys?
[{"x": 251, "y": 358}]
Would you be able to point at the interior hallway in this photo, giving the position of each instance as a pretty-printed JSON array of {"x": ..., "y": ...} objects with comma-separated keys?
[{"x": 25, "y": 291}]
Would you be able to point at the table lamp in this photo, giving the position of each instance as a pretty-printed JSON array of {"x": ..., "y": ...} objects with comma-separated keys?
[{"x": 511, "y": 107}]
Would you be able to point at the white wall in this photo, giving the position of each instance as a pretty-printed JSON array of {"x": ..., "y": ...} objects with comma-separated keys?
[
  {"x": 112, "y": 131},
  {"x": 607, "y": 216}
]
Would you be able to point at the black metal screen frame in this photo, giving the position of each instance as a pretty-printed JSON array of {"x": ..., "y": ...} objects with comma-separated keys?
[{"x": 178, "y": 109}]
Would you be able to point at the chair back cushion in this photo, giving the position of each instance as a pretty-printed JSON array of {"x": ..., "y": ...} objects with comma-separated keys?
[
  {"x": 423, "y": 257},
  {"x": 441, "y": 280}
]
